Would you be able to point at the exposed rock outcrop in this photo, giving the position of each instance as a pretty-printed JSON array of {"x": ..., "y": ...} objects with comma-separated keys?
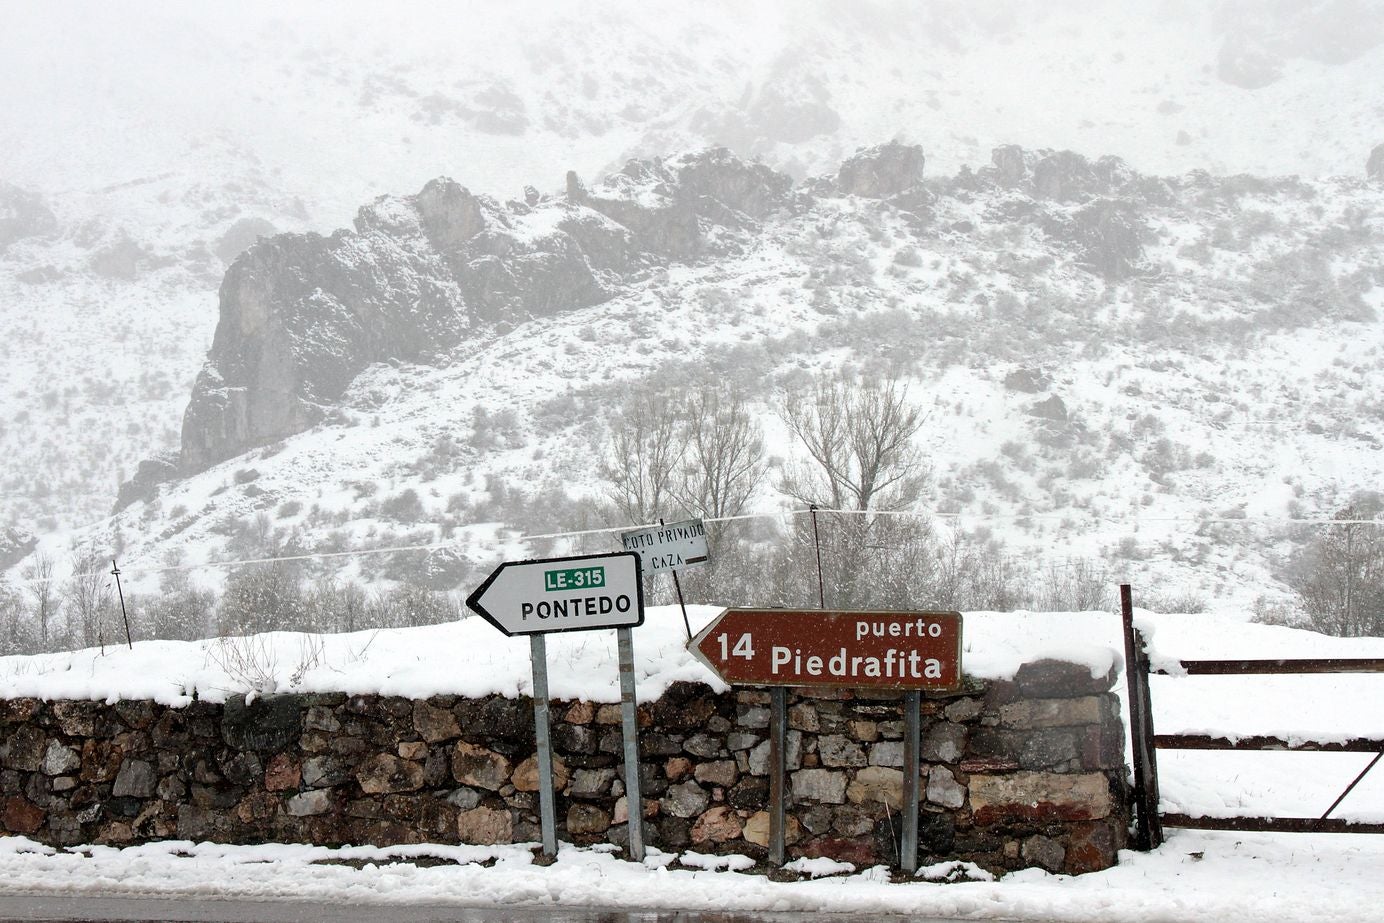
[
  {"x": 1374, "y": 167},
  {"x": 302, "y": 314},
  {"x": 23, "y": 214},
  {"x": 15, "y": 545},
  {"x": 882, "y": 171}
]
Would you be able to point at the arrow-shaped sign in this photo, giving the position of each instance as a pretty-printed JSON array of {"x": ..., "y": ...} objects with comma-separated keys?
[
  {"x": 562, "y": 594},
  {"x": 777, "y": 647}
]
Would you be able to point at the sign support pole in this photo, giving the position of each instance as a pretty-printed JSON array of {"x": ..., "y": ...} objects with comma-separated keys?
[
  {"x": 538, "y": 654},
  {"x": 912, "y": 726},
  {"x": 677, "y": 584},
  {"x": 630, "y": 719},
  {"x": 778, "y": 753}
]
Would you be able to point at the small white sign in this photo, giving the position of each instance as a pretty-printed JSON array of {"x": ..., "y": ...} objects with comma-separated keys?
[
  {"x": 669, "y": 548},
  {"x": 562, "y": 594}
]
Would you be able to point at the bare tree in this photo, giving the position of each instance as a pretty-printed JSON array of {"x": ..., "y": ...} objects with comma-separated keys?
[
  {"x": 724, "y": 457},
  {"x": 43, "y": 589},
  {"x": 87, "y": 594},
  {"x": 1340, "y": 577},
  {"x": 858, "y": 434},
  {"x": 642, "y": 464},
  {"x": 16, "y": 635}
]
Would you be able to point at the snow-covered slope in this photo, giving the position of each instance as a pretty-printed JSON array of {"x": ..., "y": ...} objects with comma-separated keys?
[{"x": 162, "y": 139}]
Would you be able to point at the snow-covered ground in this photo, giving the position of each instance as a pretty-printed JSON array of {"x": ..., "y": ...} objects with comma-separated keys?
[{"x": 1194, "y": 876}]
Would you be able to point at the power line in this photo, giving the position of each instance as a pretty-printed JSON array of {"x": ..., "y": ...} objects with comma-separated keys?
[{"x": 784, "y": 514}]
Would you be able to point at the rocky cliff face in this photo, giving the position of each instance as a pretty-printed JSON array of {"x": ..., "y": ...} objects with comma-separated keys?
[{"x": 302, "y": 315}]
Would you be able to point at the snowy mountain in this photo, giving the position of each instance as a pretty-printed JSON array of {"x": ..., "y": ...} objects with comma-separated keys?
[
  {"x": 1116, "y": 366},
  {"x": 1197, "y": 345}
]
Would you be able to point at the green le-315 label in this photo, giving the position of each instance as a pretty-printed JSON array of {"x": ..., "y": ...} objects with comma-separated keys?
[{"x": 576, "y": 578}]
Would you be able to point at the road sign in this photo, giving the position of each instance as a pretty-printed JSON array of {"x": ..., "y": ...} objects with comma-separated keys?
[
  {"x": 562, "y": 594},
  {"x": 777, "y": 647},
  {"x": 668, "y": 548}
]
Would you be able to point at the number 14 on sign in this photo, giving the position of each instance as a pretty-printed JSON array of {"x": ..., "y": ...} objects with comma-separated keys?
[{"x": 744, "y": 647}]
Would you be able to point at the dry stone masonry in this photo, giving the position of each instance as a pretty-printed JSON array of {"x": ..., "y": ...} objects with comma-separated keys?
[{"x": 1016, "y": 774}]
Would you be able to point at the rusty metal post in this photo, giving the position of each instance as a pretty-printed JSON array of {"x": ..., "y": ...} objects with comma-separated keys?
[
  {"x": 778, "y": 760},
  {"x": 817, "y": 542},
  {"x": 912, "y": 722},
  {"x": 115, "y": 572},
  {"x": 1149, "y": 832}
]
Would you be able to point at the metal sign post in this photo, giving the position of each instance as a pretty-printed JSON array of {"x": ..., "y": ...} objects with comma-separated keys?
[
  {"x": 778, "y": 766},
  {"x": 912, "y": 732},
  {"x": 908, "y": 651},
  {"x": 670, "y": 547},
  {"x": 877, "y": 650},
  {"x": 581, "y": 593},
  {"x": 629, "y": 718},
  {"x": 547, "y": 813}
]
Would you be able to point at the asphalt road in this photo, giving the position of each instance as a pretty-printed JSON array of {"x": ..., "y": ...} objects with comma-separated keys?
[{"x": 66, "y": 909}]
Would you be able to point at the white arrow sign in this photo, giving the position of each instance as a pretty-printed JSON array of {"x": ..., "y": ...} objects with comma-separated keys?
[{"x": 562, "y": 594}]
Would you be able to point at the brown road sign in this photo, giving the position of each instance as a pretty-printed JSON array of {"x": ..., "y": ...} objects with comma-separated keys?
[{"x": 778, "y": 647}]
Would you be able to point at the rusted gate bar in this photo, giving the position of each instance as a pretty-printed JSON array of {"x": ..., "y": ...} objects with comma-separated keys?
[
  {"x": 1207, "y": 742},
  {"x": 1271, "y": 824},
  {"x": 1260, "y": 743},
  {"x": 1149, "y": 832},
  {"x": 1263, "y": 667}
]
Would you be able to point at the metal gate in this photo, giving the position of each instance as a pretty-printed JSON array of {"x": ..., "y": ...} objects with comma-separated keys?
[{"x": 1145, "y": 743}]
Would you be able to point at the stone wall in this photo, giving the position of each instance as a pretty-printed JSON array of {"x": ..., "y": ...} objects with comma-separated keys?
[{"x": 1016, "y": 774}]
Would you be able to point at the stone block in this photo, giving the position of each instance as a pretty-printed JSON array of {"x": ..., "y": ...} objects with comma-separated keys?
[
  {"x": 321, "y": 718},
  {"x": 803, "y": 717},
  {"x": 591, "y": 783},
  {"x": 266, "y": 723},
  {"x": 877, "y": 784},
  {"x": 824, "y": 786},
  {"x": 485, "y": 826},
  {"x": 718, "y": 825},
  {"x": 1040, "y": 796},
  {"x": 385, "y": 772},
  {"x": 944, "y": 742},
  {"x": 433, "y": 724},
  {"x": 24, "y": 749},
  {"x": 864, "y": 730},
  {"x": 136, "y": 779},
  {"x": 1051, "y": 713},
  {"x": 840, "y": 752},
  {"x": 962, "y": 710},
  {"x": 1052, "y": 748},
  {"x": 525, "y": 775},
  {"x": 412, "y": 750},
  {"x": 704, "y": 746},
  {"x": 756, "y": 829},
  {"x": 1044, "y": 852},
  {"x": 943, "y": 789},
  {"x": 59, "y": 759},
  {"x": 887, "y": 753},
  {"x": 479, "y": 767},
  {"x": 1092, "y": 847},
  {"x": 100, "y": 760},
  {"x": 587, "y": 820},
  {"x": 685, "y": 800},
  {"x": 310, "y": 803},
  {"x": 22, "y": 816},
  {"x": 716, "y": 772},
  {"x": 793, "y": 743},
  {"x": 1060, "y": 679},
  {"x": 324, "y": 771}
]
